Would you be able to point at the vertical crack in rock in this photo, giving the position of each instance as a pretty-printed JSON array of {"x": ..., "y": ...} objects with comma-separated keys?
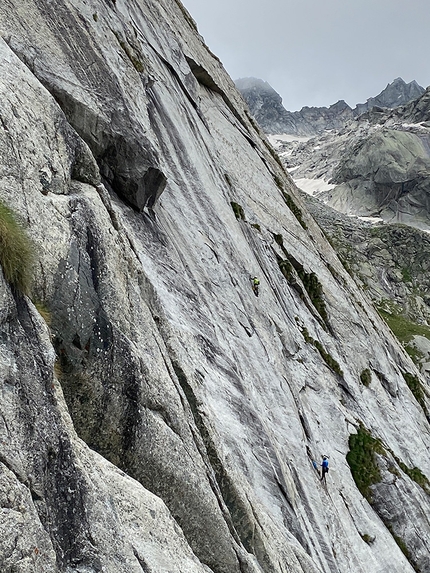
[
  {"x": 316, "y": 529},
  {"x": 56, "y": 484},
  {"x": 205, "y": 79},
  {"x": 144, "y": 566},
  {"x": 222, "y": 479},
  {"x": 240, "y": 519},
  {"x": 66, "y": 495}
]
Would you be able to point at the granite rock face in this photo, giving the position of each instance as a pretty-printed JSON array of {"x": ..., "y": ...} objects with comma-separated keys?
[
  {"x": 167, "y": 419},
  {"x": 64, "y": 507},
  {"x": 387, "y": 174}
]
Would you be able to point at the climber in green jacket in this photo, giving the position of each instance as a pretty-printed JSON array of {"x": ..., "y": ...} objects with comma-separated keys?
[{"x": 255, "y": 284}]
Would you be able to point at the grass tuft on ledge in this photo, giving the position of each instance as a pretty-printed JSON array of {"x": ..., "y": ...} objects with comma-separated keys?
[{"x": 16, "y": 251}]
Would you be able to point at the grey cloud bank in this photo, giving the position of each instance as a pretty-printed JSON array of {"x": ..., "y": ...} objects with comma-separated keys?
[{"x": 315, "y": 53}]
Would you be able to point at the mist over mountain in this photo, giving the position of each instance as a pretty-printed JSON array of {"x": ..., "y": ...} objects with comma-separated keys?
[{"x": 156, "y": 415}]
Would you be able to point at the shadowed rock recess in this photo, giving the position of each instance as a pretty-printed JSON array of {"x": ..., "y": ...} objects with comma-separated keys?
[{"x": 155, "y": 415}]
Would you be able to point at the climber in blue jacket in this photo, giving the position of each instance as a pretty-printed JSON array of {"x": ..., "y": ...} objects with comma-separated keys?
[{"x": 324, "y": 468}]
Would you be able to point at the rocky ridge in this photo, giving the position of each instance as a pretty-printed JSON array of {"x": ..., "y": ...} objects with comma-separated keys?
[
  {"x": 396, "y": 94},
  {"x": 166, "y": 419},
  {"x": 266, "y": 107}
]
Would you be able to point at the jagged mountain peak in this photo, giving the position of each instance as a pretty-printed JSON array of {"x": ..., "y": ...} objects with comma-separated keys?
[
  {"x": 397, "y": 93},
  {"x": 266, "y": 106},
  {"x": 340, "y": 104},
  {"x": 400, "y": 83}
]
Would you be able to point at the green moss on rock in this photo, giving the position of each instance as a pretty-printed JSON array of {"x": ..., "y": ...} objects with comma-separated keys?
[
  {"x": 132, "y": 54},
  {"x": 403, "y": 547},
  {"x": 297, "y": 212},
  {"x": 366, "y": 377},
  {"x": 361, "y": 459},
  {"x": 328, "y": 358},
  {"x": 237, "y": 210},
  {"x": 369, "y": 539},
  {"x": 416, "y": 388},
  {"x": 310, "y": 281},
  {"x": 286, "y": 268},
  {"x": 416, "y": 475},
  {"x": 315, "y": 291}
]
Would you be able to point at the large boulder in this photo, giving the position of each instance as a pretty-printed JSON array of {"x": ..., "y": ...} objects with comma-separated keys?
[{"x": 386, "y": 174}]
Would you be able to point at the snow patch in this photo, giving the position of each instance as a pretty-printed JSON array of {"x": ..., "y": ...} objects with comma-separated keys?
[
  {"x": 313, "y": 187},
  {"x": 285, "y": 137},
  {"x": 371, "y": 219},
  {"x": 420, "y": 125}
]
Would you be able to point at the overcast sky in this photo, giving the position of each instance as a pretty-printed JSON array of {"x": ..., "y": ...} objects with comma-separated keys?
[{"x": 315, "y": 52}]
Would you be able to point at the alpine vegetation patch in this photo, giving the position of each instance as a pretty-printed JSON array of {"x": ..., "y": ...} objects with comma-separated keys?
[
  {"x": 361, "y": 458},
  {"x": 238, "y": 210},
  {"x": 416, "y": 388},
  {"x": 297, "y": 212},
  {"x": 328, "y": 358},
  {"x": 16, "y": 251},
  {"x": 366, "y": 377},
  {"x": 44, "y": 312}
]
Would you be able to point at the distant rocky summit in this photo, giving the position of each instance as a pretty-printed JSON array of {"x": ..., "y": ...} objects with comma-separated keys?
[
  {"x": 395, "y": 94},
  {"x": 266, "y": 107}
]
